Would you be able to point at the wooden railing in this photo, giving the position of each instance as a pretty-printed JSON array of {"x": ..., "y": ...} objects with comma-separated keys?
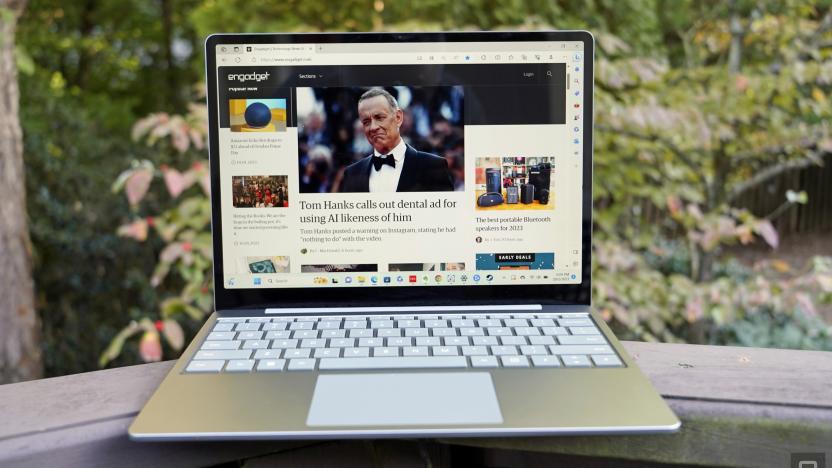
[{"x": 739, "y": 407}]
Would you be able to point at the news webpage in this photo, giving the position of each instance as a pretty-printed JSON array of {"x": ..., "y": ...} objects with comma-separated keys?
[{"x": 354, "y": 165}]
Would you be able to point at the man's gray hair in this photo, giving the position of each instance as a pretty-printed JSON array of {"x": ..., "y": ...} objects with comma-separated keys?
[{"x": 380, "y": 92}]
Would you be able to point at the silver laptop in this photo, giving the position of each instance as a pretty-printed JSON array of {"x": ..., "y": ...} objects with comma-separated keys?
[{"x": 402, "y": 240}]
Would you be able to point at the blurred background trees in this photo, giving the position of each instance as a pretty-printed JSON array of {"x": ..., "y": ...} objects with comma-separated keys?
[{"x": 712, "y": 186}]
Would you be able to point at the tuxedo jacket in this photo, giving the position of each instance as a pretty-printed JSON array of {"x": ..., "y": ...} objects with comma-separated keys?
[{"x": 422, "y": 172}]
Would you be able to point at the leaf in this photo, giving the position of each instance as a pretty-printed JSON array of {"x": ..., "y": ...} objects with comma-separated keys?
[
  {"x": 173, "y": 333},
  {"x": 136, "y": 230},
  {"x": 150, "y": 347},
  {"x": 138, "y": 182},
  {"x": 176, "y": 182},
  {"x": 117, "y": 343},
  {"x": 766, "y": 230}
]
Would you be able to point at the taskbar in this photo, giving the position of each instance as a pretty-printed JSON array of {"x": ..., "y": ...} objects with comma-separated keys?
[{"x": 412, "y": 278}]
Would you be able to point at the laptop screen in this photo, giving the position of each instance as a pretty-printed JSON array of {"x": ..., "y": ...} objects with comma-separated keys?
[{"x": 400, "y": 164}]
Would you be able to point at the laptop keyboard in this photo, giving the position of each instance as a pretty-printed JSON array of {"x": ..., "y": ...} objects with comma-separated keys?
[{"x": 264, "y": 344}]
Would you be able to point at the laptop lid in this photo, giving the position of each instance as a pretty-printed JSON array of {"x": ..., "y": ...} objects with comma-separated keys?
[{"x": 400, "y": 169}]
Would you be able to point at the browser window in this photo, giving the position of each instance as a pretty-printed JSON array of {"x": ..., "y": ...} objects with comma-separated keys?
[{"x": 401, "y": 164}]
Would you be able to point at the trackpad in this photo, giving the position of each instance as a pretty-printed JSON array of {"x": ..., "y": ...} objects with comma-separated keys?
[{"x": 404, "y": 399}]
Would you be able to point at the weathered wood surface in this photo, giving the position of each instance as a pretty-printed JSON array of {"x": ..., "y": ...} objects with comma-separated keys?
[{"x": 739, "y": 407}]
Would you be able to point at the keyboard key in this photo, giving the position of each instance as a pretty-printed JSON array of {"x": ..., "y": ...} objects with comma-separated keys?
[
  {"x": 270, "y": 365},
  {"x": 333, "y": 333},
  {"x": 485, "y": 340},
  {"x": 250, "y": 335},
  {"x": 533, "y": 349},
  {"x": 312, "y": 343},
  {"x": 416, "y": 332},
  {"x": 394, "y": 363},
  {"x": 329, "y": 325},
  {"x": 514, "y": 361},
  {"x": 545, "y": 361},
  {"x": 499, "y": 331},
  {"x": 542, "y": 322},
  {"x": 503, "y": 350},
  {"x": 360, "y": 333},
  {"x": 355, "y": 324},
  {"x": 474, "y": 351},
  {"x": 527, "y": 331},
  {"x": 386, "y": 351},
  {"x": 224, "y": 336},
  {"x": 327, "y": 352},
  {"x": 267, "y": 354},
  {"x": 460, "y": 323},
  {"x": 381, "y": 324},
  {"x": 436, "y": 323},
  {"x": 385, "y": 332},
  {"x": 489, "y": 323},
  {"x": 572, "y": 360},
  {"x": 297, "y": 353},
  {"x": 221, "y": 345},
  {"x": 231, "y": 319},
  {"x": 223, "y": 354},
  {"x": 301, "y": 326},
  {"x": 399, "y": 341},
  {"x": 456, "y": 341},
  {"x": 513, "y": 340},
  {"x": 356, "y": 352},
  {"x": 606, "y": 360},
  {"x": 284, "y": 344},
  {"x": 575, "y": 322},
  {"x": 484, "y": 361},
  {"x": 247, "y": 327},
  {"x": 342, "y": 342},
  {"x": 240, "y": 365},
  {"x": 581, "y": 340},
  {"x": 301, "y": 364},
  {"x": 370, "y": 342},
  {"x": 301, "y": 334},
  {"x": 259, "y": 320},
  {"x": 443, "y": 331},
  {"x": 584, "y": 331},
  {"x": 408, "y": 323},
  {"x": 554, "y": 331},
  {"x": 223, "y": 327},
  {"x": 205, "y": 366},
  {"x": 541, "y": 340},
  {"x": 256, "y": 344},
  {"x": 516, "y": 322},
  {"x": 274, "y": 326},
  {"x": 427, "y": 341},
  {"x": 277, "y": 335},
  {"x": 581, "y": 349},
  {"x": 471, "y": 331},
  {"x": 415, "y": 351},
  {"x": 445, "y": 350}
]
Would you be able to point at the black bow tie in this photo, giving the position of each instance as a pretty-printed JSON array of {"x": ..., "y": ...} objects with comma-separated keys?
[{"x": 379, "y": 161}]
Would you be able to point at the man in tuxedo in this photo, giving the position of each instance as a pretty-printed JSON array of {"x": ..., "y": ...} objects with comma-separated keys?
[{"x": 394, "y": 166}]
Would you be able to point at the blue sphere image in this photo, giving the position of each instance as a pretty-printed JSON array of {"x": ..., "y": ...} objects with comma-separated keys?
[{"x": 258, "y": 115}]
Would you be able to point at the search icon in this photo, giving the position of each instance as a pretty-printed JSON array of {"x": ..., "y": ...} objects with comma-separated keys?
[{"x": 548, "y": 73}]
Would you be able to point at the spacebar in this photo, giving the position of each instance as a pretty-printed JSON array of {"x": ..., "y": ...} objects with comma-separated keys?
[{"x": 393, "y": 363}]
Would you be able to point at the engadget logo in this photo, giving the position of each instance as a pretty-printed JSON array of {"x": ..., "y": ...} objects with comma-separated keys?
[{"x": 241, "y": 77}]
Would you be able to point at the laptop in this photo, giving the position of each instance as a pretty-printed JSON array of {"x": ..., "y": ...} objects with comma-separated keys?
[{"x": 402, "y": 241}]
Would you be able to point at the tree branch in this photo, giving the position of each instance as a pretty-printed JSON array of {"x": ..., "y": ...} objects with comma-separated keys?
[
  {"x": 653, "y": 138},
  {"x": 769, "y": 173}
]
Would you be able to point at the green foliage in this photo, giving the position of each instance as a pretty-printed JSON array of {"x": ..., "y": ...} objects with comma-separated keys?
[
  {"x": 183, "y": 226},
  {"x": 696, "y": 103}
]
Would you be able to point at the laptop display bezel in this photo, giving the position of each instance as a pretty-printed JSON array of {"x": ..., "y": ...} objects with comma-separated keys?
[{"x": 369, "y": 296}]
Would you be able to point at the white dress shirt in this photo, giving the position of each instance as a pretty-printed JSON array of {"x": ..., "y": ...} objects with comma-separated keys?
[{"x": 386, "y": 179}]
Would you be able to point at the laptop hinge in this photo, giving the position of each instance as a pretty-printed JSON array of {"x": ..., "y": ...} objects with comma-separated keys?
[{"x": 399, "y": 309}]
